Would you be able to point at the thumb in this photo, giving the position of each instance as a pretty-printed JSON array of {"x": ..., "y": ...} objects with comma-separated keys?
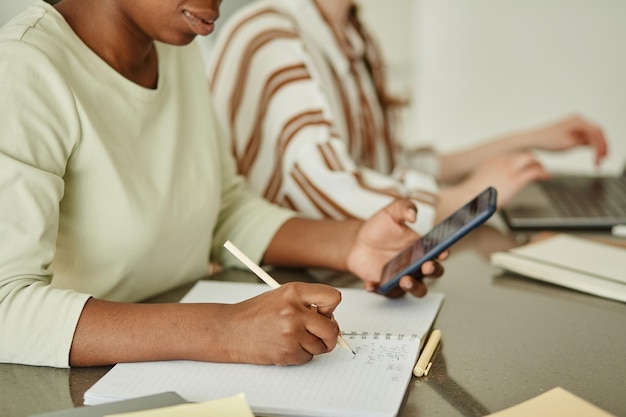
[{"x": 402, "y": 210}]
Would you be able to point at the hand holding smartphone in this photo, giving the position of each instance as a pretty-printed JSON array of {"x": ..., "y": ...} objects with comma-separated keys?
[{"x": 410, "y": 260}]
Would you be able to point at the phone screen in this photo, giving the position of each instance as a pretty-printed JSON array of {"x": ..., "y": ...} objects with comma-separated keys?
[{"x": 409, "y": 261}]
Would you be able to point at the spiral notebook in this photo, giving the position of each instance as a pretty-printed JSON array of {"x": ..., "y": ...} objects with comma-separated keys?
[{"x": 387, "y": 335}]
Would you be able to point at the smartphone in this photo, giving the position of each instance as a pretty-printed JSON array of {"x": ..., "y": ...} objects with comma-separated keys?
[{"x": 410, "y": 260}]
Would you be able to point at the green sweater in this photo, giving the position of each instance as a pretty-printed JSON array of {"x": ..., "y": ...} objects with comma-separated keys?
[{"x": 107, "y": 189}]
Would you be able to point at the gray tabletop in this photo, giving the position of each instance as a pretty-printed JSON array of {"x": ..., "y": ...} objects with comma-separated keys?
[{"x": 505, "y": 339}]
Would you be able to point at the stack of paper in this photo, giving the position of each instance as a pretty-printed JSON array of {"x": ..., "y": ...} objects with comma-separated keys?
[{"x": 572, "y": 262}]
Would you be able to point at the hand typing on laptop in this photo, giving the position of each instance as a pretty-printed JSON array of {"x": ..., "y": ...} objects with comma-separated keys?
[{"x": 508, "y": 164}]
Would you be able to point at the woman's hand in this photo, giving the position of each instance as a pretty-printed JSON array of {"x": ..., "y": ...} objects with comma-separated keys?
[
  {"x": 381, "y": 238},
  {"x": 279, "y": 327},
  {"x": 568, "y": 133},
  {"x": 508, "y": 174},
  {"x": 276, "y": 327},
  {"x": 565, "y": 134}
]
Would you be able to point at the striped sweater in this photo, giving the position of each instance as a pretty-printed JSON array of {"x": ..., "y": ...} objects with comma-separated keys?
[{"x": 307, "y": 115}]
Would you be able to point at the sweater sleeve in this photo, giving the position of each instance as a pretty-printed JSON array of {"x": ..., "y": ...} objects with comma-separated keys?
[
  {"x": 270, "y": 103},
  {"x": 247, "y": 220},
  {"x": 37, "y": 321}
]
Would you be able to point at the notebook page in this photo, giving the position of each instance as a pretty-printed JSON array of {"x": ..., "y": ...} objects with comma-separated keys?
[{"x": 371, "y": 383}]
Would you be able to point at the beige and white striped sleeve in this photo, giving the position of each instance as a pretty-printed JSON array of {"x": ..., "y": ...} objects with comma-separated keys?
[{"x": 277, "y": 118}]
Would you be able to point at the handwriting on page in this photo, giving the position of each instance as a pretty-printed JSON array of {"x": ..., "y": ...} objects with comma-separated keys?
[
  {"x": 389, "y": 359},
  {"x": 371, "y": 352}
]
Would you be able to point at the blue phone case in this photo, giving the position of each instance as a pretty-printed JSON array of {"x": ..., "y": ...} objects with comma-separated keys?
[{"x": 410, "y": 260}]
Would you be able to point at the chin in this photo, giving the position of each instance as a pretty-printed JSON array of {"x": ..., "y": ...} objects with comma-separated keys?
[{"x": 179, "y": 39}]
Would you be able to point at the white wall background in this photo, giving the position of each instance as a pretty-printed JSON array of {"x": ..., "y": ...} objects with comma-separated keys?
[
  {"x": 476, "y": 69},
  {"x": 481, "y": 68}
]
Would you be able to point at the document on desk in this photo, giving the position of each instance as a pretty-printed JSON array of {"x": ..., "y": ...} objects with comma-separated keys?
[
  {"x": 235, "y": 406},
  {"x": 569, "y": 261},
  {"x": 387, "y": 335},
  {"x": 556, "y": 402}
]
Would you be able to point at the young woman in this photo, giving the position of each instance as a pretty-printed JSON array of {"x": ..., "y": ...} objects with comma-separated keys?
[
  {"x": 299, "y": 89},
  {"x": 115, "y": 186}
]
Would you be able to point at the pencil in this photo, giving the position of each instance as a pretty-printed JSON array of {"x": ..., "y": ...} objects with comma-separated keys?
[{"x": 267, "y": 278}]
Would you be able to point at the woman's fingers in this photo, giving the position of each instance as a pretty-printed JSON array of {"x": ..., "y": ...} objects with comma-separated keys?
[{"x": 415, "y": 287}]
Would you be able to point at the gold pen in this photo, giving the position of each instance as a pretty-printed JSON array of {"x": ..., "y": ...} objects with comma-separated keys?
[
  {"x": 423, "y": 363},
  {"x": 267, "y": 278}
]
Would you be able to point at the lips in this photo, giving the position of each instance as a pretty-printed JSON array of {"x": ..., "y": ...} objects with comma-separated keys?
[{"x": 199, "y": 26}]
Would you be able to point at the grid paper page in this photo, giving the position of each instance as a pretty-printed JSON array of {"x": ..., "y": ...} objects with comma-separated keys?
[{"x": 372, "y": 383}]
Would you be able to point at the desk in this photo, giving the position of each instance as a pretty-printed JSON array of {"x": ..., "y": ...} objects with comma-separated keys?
[{"x": 505, "y": 339}]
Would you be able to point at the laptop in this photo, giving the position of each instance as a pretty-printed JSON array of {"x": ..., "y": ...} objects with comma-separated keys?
[{"x": 569, "y": 203}]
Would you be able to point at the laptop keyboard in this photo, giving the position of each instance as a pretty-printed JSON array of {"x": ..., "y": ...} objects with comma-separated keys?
[{"x": 587, "y": 197}]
